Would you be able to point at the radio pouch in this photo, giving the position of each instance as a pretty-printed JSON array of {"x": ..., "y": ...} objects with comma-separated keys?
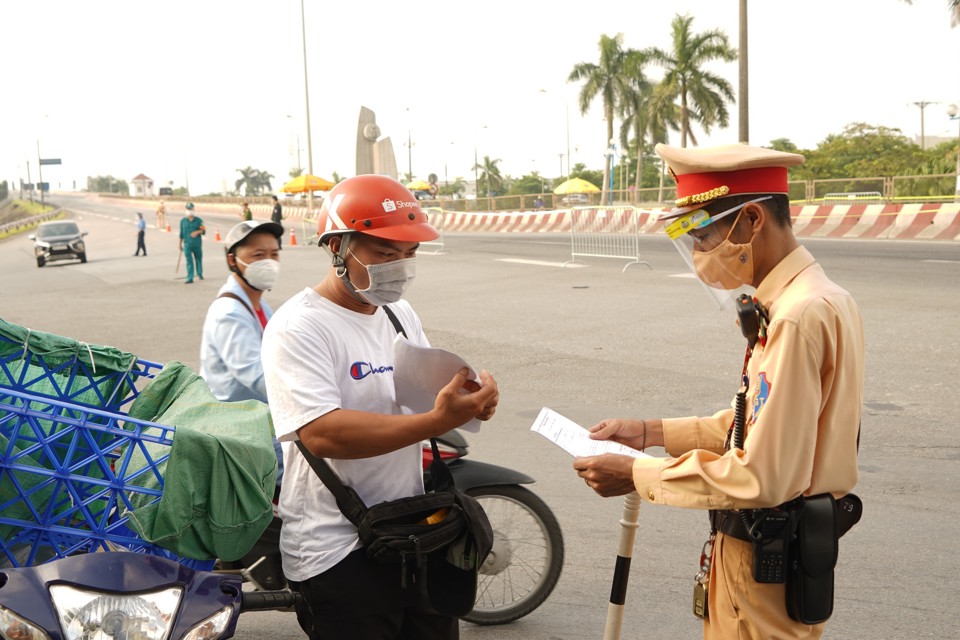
[{"x": 814, "y": 556}]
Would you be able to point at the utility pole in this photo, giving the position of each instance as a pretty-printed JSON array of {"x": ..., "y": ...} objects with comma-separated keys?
[
  {"x": 744, "y": 103},
  {"x": 306, "y": 95},
  {"x": 40, "y": 169},
  {"x": 923, "y": 138}
]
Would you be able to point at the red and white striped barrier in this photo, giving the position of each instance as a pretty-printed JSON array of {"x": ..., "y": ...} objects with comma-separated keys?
[{"x": 928, "y": 221}]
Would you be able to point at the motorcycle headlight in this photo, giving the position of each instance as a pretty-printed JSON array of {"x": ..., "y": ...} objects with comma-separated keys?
[
  {"x": 13, "y": 627},
  {"x": 212, "y": 627},
  {"x": 88, "y": 615}
]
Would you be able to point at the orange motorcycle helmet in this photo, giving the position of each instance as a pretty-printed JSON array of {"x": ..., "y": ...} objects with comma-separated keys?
[{"x": 377, "y": 206}]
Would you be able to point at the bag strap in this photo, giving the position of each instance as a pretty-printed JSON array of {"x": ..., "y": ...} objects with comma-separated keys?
[
  {"x": 348, "y": 501},
  {"x": 228, "y": 294},
  {"x": 394, "y": 320}
]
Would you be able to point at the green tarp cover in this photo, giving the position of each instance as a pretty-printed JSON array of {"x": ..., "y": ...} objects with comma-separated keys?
[
  {"x": 85, "y": 373},
  {"x": 221, "y": 473},
  {"x": 53, "y": 366}
]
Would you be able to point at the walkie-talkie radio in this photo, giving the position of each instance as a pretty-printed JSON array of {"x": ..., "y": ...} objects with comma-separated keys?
[
  {"x": 749, "y": 317},
  {"x": 771, "y": 549}
]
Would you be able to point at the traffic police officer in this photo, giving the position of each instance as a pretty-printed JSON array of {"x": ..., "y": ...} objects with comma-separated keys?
[{"x": 801, "y": 388}]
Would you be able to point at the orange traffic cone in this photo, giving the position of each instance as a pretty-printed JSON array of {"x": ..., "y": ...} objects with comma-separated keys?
[
  {"x": 168, "y": 228},
  {"x": 216, "y": 236},
  {"x": 293, "y": 237}
]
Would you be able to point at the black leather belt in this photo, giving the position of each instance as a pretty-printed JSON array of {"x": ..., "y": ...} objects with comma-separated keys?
[{"x": 728, "y": 522}]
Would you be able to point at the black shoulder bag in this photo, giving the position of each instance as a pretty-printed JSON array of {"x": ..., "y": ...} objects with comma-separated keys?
[{"x": 444, "y": 530}]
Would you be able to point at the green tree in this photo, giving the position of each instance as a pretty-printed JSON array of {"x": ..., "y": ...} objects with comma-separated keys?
[
  {"x": 531, "y": 183},
  {"x": 254, "y": 181},
  {"x": 634, "y": 110},
  {"x": 489, "y": 174},
  {"x": 458, "y": 186},
  {"x": 864, "y": 151},
  {"x": 702, "y": 95},
  {"x": 296, "y": 172},
  {"x": 610, "y": 81}
]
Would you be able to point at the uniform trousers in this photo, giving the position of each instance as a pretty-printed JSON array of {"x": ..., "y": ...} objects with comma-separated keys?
[
  {"x": 193, "y": 255},
  {"x": 362, "y": 599},
  {"x": 742, "y": 609}
]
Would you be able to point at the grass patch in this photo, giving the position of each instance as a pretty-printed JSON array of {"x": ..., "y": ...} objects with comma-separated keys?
[{"x": 22, "y": 210}]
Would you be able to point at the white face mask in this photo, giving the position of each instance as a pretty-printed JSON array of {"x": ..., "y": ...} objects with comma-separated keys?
[
  {"x": 261, "y": 274},
  {"x": 388, "y": 280}
]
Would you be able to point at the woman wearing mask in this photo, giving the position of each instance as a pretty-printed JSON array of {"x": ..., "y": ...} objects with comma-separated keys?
[{"x": 233, "y": 329}]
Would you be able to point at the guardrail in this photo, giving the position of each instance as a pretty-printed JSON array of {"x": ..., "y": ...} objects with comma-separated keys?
[
  {"x": 435, "y": 217},
  {"x": 605, "y": 232},
  {"x": 27, "y": 223}
]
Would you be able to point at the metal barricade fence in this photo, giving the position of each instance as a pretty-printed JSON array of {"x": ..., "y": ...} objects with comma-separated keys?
[
  {"x": 435, "y": 217},
  {"x": 605, "y": 232}
]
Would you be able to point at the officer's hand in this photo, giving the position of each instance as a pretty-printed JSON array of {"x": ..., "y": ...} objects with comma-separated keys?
[
  {"x": 608, "y": 475},
  {"x": 629, "y": 432},
  {"x": 459, "y": 402}
]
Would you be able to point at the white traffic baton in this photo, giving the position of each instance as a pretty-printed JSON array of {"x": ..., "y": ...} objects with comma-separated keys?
[{"x": 621, "y": 573}]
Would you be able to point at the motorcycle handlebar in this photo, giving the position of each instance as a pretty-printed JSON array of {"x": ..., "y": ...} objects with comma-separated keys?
[{"x": 266, "y": 600}]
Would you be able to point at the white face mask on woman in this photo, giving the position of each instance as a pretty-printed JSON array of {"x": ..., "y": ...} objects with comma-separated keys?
[
  {"x": 388, "y": 281},
  {"x": 261, "y": 274}
]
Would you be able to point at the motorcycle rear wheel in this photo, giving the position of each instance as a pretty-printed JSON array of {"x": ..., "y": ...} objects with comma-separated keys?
[{"x": 527, "y": 556}]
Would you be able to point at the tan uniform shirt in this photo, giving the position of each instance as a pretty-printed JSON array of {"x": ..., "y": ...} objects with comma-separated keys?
[{"x": 803, "y": 407}]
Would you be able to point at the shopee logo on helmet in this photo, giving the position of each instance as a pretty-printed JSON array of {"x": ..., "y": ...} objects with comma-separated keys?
[{"x": 393, "y": 205}]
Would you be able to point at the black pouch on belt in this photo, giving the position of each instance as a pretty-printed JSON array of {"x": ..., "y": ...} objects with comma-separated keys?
[{"x": 814, "y": 556}]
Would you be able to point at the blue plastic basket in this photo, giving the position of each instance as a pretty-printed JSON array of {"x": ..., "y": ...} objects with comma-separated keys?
[{"x": 69, "y": 470}]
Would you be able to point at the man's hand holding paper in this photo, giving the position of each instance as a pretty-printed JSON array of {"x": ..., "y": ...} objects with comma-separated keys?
[{"x": 428, "y": 379}]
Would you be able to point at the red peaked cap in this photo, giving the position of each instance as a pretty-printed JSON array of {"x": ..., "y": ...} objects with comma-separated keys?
[{"x": 709, "y": 173}]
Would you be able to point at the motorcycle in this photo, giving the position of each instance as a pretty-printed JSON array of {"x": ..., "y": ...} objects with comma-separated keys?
[
  {"x": 125, "y": 595},
  {"x": 527, "y": 556}
]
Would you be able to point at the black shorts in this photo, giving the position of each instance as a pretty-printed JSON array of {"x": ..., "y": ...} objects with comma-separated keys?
[{"x": 360, "y": 598}]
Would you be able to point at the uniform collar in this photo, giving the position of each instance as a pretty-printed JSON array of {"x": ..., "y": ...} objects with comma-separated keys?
[{"x": 783, "y": 274}]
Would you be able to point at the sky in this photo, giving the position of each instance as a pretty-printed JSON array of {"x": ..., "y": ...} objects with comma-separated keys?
[{"x": 190, "y": 91}]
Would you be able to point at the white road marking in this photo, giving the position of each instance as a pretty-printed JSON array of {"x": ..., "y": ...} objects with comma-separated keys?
[
  {"x": 683, "y": 275},
  {"x": 541, "y": 263},
  {"x": 943, "y": 261}
]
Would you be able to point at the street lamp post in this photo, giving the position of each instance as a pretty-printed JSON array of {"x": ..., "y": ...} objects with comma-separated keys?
[
  {"x": 954, "y": 112},
  {"x": 610, "y": 154},
  {"x": 306, "y": 94}
]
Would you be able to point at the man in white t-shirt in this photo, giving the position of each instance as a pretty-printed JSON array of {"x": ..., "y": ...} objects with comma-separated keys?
[{"x": 328, "y": 362}]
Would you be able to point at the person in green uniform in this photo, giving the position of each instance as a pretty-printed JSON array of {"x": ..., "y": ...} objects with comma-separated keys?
[{"x": 191, "y": 243}]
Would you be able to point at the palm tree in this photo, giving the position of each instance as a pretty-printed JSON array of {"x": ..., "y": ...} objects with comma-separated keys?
[
  {"x": 248, "y": 179},
  {"x": 489, "y": 173},
  {"x": 609, "y": 80},
  {"x": 263, "y": 182},
  {"x": 634, "y": 107},
  {"x": 703, "y": 96},
  {"x": 254, "y": 181}
]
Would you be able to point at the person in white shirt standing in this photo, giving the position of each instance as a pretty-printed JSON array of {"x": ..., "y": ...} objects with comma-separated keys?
[{"x": 328, "y": 360}]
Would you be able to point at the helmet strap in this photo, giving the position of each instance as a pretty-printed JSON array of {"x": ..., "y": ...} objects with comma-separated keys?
[{"x": 340, "y": 265}]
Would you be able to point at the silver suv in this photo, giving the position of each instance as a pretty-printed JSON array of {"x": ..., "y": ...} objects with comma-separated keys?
[{"x": 59, "y": 240}]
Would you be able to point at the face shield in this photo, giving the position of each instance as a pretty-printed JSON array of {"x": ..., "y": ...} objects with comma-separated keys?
[{"x": 696, "y": 231}]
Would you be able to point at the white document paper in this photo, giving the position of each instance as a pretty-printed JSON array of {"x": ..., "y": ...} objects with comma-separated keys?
[
  {"x": 420, "y": 372},
  {"x": 574, "y": 439}
]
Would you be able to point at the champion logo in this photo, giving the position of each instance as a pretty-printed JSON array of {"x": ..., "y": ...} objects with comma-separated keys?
[{"x": 360, "y": 370}]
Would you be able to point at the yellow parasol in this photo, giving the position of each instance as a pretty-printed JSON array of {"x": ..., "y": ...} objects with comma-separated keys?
[
  {"x": 418, "y": 185},
  {"x": 575, "y": 185},
  {"x": 306, "y": 182}
]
